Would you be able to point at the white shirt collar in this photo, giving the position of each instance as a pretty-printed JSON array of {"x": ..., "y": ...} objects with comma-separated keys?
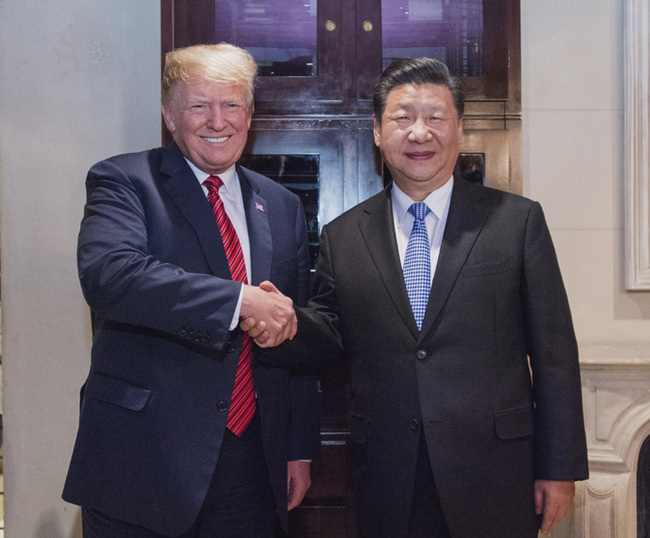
[
  {"x": 437, "y": 201},
  {"x": 229, "y": 177}
]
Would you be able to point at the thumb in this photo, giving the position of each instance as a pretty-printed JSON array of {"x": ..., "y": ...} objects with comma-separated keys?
[{"x": 268, "y": 286}]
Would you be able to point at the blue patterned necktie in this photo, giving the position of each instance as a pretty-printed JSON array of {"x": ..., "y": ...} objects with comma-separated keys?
[{"x": 417, "y": 263}]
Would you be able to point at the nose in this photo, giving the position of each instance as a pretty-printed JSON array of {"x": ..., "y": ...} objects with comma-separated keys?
[
  {"x": 216, "y": 119},
  {"x": 420, "y": 132}
]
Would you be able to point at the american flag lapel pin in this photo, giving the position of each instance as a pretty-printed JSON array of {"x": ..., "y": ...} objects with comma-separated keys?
[{"x": 259, "y": 207}]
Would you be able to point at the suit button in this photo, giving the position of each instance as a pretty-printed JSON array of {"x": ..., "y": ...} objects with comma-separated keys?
[
  {"x": 421, "y": 354},
  {"x": 230, "y": 347},
  {"x": 415, "y": 424},
  {"x": 222, "y": 406}
]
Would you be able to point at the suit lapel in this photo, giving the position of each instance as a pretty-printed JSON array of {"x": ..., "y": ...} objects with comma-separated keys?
[
  {"x": 259, "y": 229},
  {"x": 464, "y": 222},
  {"x": 377, "y": 231},
  {"x": 181, "y": 185}
]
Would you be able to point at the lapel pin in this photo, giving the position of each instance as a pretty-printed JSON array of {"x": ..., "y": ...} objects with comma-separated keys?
[{"x": 259, "y": 207}]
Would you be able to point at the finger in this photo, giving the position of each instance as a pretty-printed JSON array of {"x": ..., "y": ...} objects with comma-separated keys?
[
  {"x": 289, "y": 330},
  {"x": 549, "y": 521},
  {"x": 292, "y": 503},
  {"x": 257, "y": 330},
  {"x": 260, "y": 337},
  {"x": 298, "y": 493},
  {"x": 247, "y": 323},
  {"x": 263, "y": 340}
]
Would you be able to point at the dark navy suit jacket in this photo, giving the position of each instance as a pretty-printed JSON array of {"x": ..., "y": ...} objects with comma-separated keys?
[{"x": 154, "y": 272}]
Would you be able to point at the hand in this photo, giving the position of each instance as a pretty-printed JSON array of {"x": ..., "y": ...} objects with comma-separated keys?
[
  {"x": 267, "y": 315},
  {"x": 298, "y": 482},
  {"x": 554, "y": 499},
  {"x": 257, "y": 331}
]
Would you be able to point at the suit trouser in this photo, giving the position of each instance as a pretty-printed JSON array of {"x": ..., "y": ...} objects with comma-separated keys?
[{"x": 239, "y": 502}]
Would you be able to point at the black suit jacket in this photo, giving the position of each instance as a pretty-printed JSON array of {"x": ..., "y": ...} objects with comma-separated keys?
[
  {"x": 497, "y": 300},
  {"x": 154, "y": 272}
]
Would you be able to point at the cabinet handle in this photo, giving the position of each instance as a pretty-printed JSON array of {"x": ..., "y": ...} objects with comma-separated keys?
[
  {"x": 330, "y": 26},
  {"x": 368, "y": 26}
]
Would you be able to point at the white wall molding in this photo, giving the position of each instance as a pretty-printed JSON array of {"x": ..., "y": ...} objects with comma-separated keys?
[
  {"x": 637, "y": 144},
  {"x": 616, "y": 392}
]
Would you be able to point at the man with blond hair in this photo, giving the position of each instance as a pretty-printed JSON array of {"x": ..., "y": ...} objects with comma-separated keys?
[{"x": 183, "y": 431}]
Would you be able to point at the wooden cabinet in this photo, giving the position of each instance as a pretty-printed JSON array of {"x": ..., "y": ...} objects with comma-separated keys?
[
  {"x": 319, "y": 60},
  {"x": 323, "y": 56}
]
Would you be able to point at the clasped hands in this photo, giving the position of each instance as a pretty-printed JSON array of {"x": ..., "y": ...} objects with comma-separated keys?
[{"x": 267, "y": 315}]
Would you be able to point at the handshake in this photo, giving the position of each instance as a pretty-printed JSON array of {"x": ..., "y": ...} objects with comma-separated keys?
[{"x": 267, "y": 315}]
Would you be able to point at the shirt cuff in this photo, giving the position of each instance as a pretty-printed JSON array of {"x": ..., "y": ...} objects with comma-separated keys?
[{"x": 235, "y": 317}]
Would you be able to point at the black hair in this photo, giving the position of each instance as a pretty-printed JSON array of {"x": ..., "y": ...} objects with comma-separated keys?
[{"x": 416, "y": 71}]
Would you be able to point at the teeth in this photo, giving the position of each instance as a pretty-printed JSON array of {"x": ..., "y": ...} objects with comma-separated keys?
[{"x": 215, "y": 140}]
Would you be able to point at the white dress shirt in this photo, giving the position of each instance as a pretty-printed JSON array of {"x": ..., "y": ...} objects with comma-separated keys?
[
  {"x": 438, "y": 202},
  {"x": 233, "y": 204}
]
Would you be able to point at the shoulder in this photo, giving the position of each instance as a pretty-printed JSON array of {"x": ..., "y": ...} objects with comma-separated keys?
[
  {"x": 377, "y": 202},
  {"x": 135, "y": 163},
  {"x": 468, "y": 193}
]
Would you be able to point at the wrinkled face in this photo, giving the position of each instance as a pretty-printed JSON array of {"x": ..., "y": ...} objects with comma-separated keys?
[
  {"x": 209, "y": 122},
  {"x": 419, "y": 137}
]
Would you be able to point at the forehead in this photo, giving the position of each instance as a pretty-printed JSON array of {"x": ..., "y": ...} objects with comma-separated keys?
[
  {"x": 208, "y": 90},
  {"x": 412, "y": 95}
]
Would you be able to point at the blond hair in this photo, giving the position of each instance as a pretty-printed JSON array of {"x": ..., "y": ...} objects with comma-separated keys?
[{"x": 223, "y": 63}]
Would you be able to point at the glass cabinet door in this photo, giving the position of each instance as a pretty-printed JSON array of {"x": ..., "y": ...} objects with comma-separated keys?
[
  {"x": 477, "y": 39},
  {"x": 299, "y": 46},
  {"x": 324, "y": 56},
  {"x": 448, "y": 30},
  {"x": 280, "y": 34}
]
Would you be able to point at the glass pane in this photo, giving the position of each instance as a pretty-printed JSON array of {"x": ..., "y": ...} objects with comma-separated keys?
[
  {"x": 471, "y": 167},
  {"x": 299, "y": 174},
  {"x": 280, "y": 34},
  {"x": 448, "y": 30}
]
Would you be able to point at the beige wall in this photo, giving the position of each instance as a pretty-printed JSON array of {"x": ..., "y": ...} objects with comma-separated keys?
[
  {"x": 572, "y": 56},
  {"x": 79, "y": 82}
]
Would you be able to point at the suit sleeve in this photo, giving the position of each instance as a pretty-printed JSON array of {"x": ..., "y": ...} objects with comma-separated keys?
[
  {"x": 124, "y": 282},
  {"x": 318, "y": 340},
  {"x": 561, "y": 452}
]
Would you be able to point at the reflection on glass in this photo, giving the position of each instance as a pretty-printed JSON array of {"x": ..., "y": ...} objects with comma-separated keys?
[
  {"x": 471, "y": 167},
  {"x": 448, "y": 30},
  {"x": 299, "y": 174},
  {"x": 280, "y": 34}
]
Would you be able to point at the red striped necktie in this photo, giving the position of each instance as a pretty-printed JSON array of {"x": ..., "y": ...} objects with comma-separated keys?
[{"x": 242, "y": 406}]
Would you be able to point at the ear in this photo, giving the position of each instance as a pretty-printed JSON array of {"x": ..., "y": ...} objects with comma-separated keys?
[
  {"x": 168, "y": 117},
  {"x": 376, "y": 130}
]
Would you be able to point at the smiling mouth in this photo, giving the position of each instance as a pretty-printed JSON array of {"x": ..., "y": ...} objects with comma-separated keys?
[
  {"x": 420, "y": 155},
  {"x": 215, "y": 140}
]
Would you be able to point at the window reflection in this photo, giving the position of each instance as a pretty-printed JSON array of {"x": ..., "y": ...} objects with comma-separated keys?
[
  {"x": 280, "y": 34},
  {"x": 471, "y": 167},
  {"x": 448, "y": 30},
  {"x": 299, "y": 174}
]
